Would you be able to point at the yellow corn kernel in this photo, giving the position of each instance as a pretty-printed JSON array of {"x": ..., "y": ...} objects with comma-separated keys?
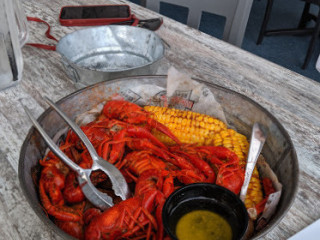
[{"x": 254, "y": 193}]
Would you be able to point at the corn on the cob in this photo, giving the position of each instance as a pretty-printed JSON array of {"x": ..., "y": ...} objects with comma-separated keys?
[
  {"x": 189, "y": 127},
  {"x": 201, "y": 129},
  {"x": 254, "y": 193}
]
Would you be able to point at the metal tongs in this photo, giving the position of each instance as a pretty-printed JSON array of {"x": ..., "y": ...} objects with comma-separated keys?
[
  {"x": 258, "y": 138},
  {"x": 96, "y": 197}
]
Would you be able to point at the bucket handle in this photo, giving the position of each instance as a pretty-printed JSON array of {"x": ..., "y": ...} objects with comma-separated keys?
[{"x": 71, "y": 70}]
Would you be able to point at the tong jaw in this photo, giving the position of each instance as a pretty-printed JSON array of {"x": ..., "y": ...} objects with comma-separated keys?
[{"x": 96, "y": 197}]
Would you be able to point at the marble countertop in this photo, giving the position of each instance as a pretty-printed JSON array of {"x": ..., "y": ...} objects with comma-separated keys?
[{"x": 293, "y": 99}]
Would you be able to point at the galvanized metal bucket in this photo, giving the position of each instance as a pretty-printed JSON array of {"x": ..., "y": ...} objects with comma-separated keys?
[{"x": 95, "y": 54}]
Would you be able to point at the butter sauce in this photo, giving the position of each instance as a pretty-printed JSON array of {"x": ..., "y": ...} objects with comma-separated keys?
[{"x": 203, "y": 225}]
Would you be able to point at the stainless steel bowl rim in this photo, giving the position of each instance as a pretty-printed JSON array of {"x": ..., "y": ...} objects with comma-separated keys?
[{"x": 52, "y": 226}]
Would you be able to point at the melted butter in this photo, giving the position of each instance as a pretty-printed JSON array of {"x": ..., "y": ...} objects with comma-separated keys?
[{"x": 203, "y": 225}]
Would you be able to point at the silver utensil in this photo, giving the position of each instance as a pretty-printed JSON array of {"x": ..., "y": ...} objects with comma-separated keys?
[
  {"x": 258, "y": 138},
  {"x": 97, "y": 198}
]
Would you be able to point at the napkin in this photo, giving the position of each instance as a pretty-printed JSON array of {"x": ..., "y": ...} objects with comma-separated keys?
[{"x": 311, "y": 232}]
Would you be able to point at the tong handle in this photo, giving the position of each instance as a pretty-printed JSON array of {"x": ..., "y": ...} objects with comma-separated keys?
[
  {"x": 258, "y": 138},
  {"x": 76, "y": 129},
  {"x": 54, "y": 148}
]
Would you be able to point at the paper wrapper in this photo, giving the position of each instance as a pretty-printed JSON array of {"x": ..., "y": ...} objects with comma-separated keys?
[
  {"x": 182, "y": 93},
  {"x": 273, "y": 199},
  {"x": 186, "y": 94}
]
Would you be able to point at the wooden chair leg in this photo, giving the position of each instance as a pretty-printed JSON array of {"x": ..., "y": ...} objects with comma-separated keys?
[
  {"x": 265, "y": 21},
  {"x": 312, "y": 43}
]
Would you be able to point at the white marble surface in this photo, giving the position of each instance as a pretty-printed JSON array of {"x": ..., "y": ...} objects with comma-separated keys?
[{"x": 293, "y": 99}]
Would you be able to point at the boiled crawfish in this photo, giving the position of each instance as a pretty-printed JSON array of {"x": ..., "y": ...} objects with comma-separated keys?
[
  {"x": 133, "y": 217},
  {"x": 132, "y": 113},
  {"x": 122, "y": 135},
  {"x": 54, "y": 195}
]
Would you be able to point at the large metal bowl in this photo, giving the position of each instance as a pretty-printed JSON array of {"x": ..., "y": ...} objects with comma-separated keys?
[
  {"x": 96, "y": 54},
  {"x": 241, "y": 112}
]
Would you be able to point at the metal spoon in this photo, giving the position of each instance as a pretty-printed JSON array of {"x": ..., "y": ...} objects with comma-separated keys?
[
  {"x": 258, "y": 138},
  {"x": 97, "y": 198}
]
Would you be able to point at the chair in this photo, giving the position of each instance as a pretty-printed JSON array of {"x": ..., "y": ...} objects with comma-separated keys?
[
  {"x": 301, "y": 29},
  {"x": 236, "y": 17}
]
